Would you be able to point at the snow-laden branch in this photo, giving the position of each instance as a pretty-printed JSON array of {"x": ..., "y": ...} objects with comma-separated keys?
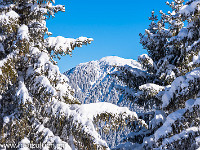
[
  {"x": 85, "y": 114},
  {"x": 9, "y": 17},
  {"x": 190, "y": 9},
  {"x": 49, "y": 138},
  {"x": 166, "y": 130},
  {"x": 63, "y": 46},
  {"x": 182, "y": 89}
]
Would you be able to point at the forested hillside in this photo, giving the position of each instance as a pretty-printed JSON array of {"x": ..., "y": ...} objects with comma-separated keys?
[{"x": 99, "y": 81}]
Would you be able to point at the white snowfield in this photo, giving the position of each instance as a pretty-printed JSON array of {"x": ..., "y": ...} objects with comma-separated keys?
[{"x": 118, "y": 61}]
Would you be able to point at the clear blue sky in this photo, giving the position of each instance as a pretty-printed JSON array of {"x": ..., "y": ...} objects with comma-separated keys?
[{"x": 114, "y": 24}]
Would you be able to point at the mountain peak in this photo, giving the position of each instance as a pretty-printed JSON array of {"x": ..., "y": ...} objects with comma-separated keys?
[
  {"x": 87, "y": 78},
  {"x": 118, "y": 61}
]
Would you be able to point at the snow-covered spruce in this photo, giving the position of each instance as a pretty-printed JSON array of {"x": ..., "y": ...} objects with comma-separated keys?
[
  {"x": 173, "y": 49},
  {"x": 36, "y": 102}
]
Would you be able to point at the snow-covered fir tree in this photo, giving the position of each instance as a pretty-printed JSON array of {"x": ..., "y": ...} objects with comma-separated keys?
[
  {"x": 172, "y": 90},
  {"x": 36, "y": 102}
]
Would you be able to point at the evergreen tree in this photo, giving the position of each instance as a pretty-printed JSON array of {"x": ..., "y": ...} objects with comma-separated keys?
[
  {"x": 172, "y": 90},
  {"x": 36, "y": 102}
]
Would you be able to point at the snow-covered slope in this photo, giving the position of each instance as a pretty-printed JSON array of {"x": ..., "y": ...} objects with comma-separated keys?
[{"x": 99, "y": 80}]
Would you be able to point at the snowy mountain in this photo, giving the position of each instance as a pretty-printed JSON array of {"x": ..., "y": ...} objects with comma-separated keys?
[
  {"x": 37, "y": 103},
  {"x": 99, "y": 80},
  {"x": 106, "y": 80}
]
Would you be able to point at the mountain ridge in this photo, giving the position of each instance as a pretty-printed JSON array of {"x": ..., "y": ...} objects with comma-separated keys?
[{"x": 99, "y": 81}]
